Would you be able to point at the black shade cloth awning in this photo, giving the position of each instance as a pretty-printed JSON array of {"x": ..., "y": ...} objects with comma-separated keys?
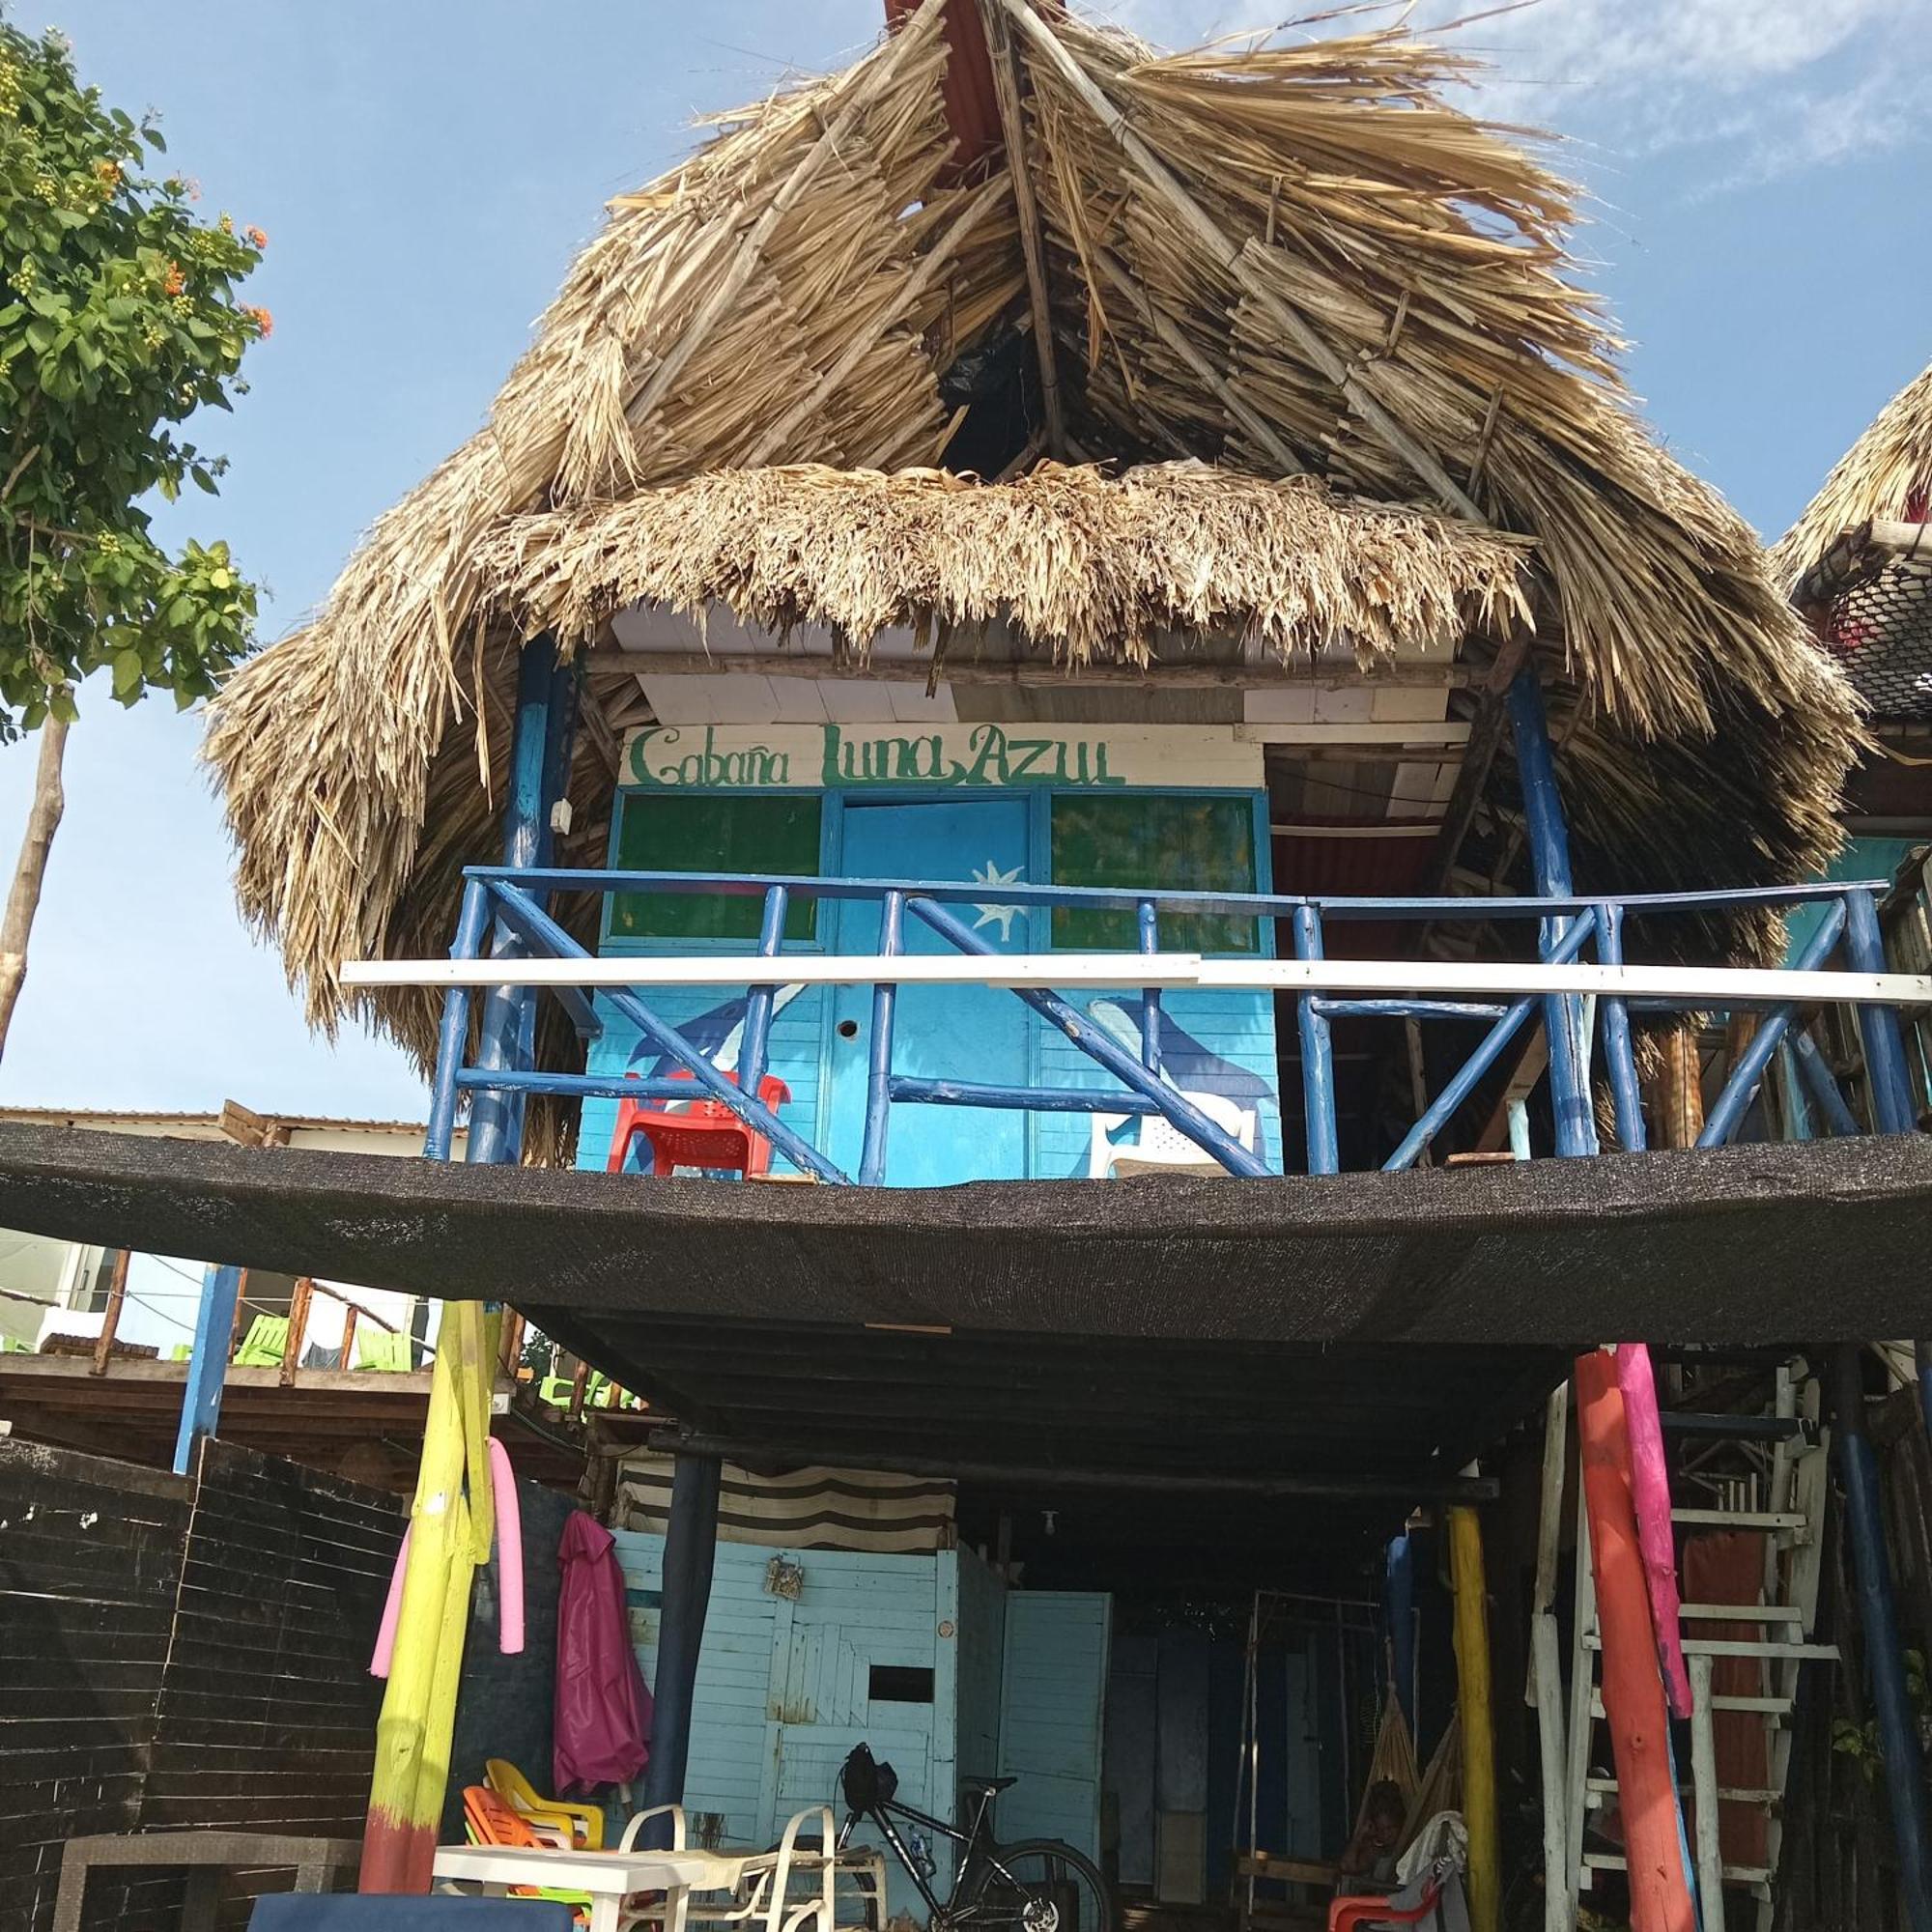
[
  {"x": 1818, "y": 1241},
  {"x": 1188, "y": 1342}
]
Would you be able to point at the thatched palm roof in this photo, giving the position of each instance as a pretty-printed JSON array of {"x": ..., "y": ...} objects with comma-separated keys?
[
  {"x": 1857, "y": 563},
  {"x": 1297, "y": 262},
  {"x": 1886, "y": 474}
]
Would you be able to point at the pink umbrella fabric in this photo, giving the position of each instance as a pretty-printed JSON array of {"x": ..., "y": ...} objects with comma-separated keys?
[{"x": 603, "y": 1726}]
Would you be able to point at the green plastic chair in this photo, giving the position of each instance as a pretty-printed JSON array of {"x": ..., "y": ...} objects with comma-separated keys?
[
  {"x": 265, "y": 1344},
  {"x": 379, "y": 1350}
]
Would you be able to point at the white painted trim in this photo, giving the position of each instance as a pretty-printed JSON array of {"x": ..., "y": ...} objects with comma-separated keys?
[{"x": 1707, "y": 985}]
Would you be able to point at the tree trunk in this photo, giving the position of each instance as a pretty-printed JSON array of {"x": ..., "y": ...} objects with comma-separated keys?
[{"x": 30, "y": 874}]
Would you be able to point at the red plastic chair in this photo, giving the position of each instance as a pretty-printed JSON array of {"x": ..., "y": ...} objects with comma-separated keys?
[
  {"x": 1345, "y": 1914},
  {"x": 697, "y": 1133}
]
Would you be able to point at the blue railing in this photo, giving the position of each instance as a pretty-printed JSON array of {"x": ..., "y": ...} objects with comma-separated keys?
[{"x": 505, "y": 918}]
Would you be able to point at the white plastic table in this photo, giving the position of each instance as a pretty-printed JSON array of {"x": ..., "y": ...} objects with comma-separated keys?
[{"x": 608, "y": 1877}]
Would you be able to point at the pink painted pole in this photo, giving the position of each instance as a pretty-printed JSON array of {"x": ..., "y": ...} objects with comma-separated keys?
[{"x": 1650, "y": 1491}]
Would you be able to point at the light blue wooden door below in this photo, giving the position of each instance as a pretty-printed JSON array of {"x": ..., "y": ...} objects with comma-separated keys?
[
  {"x": 1052, "y": 1694},
  {"x": 940, "y": 1033}
]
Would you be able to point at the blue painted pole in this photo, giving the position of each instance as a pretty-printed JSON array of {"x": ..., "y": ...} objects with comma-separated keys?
[
  {"x": 755, "y": 1050},
  {"x": 1404, "y": 1010},
  {"x": 1884, "y": 1653},
  {"x": 1318, "y": 1058},
  {"x": 206, "y": 1362},
  {"x": 879, "y": 1066},
  {"x": 1097, "y": 1044},
  {"x": 1619, "y": 1050},
  {"x": 1463, "y": 1082},
  {"x": 1729, "y": 1108},
  {"x": 1822, "y": 1085},
  {"x": 1401, "y": 1597},
  {"x": 1148, "y": 917},
  {"x": 453, "y": 1042},
  {"x": 1550, "y": 868},
  {"x": 496, "y": 1117},
  {"x": 691, "y": 1548},
  {"x": 1893, "y": 1108}
]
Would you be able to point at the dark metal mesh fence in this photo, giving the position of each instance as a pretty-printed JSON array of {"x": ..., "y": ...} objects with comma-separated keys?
[{"x": 1880, "y": 626}]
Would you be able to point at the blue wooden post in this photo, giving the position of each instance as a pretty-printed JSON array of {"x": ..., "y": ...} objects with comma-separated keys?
[
  {"x": 1549, "y": 867},
  {"x": 453, "y": 1041},
  {"x": 1148, "y": 920},
  {"x": 208, "y": 1362},
  {"x": 1619, "y": 1052},
  {"x": 1893, "y": 1109},
  {"x": 497, "y": 1118},
  {"x": 755, "y": 1050},
  {"x": 691, "y": 1545},
  {"x": 1402, "y": 1624},
  {"x": 879, "y": 1066},
  {"x": 1885, "y": 1654},
  {"x": 1318, "y": 1059}
]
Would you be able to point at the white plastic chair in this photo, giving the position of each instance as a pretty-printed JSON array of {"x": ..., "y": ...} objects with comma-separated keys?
[
  {"x": 1162, "y": 1148},
  {"x": 758, "y": 1883}
]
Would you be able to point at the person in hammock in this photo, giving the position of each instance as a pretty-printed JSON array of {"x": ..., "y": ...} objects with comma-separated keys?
[{"x": 1368, "y": 1864}]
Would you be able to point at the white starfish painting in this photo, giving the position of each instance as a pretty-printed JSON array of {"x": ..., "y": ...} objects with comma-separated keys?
[{"x": 1002, "y": 915}]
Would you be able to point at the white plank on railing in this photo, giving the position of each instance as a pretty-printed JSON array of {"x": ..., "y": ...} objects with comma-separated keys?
[{"x": 1706, "y": 986}]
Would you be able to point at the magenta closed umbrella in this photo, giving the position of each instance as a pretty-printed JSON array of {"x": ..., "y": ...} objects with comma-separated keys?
[{"x": 603, "y": 1730}]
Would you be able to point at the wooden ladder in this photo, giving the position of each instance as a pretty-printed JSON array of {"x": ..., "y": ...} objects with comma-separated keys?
[{"x": 1782, "y": 1497}]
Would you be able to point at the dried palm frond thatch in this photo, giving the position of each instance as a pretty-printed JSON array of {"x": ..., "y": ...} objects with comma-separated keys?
[
  {"x": 1886, "y": 473},
  {"x": 1291, "y": 261},
  {"x": 1085, "y": 567}
]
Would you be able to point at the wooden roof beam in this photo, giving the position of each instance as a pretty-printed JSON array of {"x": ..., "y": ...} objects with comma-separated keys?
[
  {"x": 1232, "y": 258},
  {"x": 1003, "y": 59}
]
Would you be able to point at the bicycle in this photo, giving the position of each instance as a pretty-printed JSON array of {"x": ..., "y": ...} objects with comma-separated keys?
[{"x": 1040, "y": 1885}]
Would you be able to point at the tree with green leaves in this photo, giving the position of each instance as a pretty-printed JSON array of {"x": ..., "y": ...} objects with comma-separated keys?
[{"x": 118, "y": 322}]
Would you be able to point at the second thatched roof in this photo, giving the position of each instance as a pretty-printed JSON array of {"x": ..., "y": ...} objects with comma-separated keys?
[{"x": 1294, "y": 263}]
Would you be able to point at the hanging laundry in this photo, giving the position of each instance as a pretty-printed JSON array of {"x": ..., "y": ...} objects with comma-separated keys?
[{"x": 603, "y": 1727}]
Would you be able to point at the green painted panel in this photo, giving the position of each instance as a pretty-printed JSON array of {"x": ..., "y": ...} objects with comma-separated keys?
[
  {"x": 1202, "y": 844},
  {"x": 667, "y": 832}
]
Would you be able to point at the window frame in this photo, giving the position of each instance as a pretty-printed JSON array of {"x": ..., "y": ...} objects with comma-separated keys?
[{"x": 634, "y": 946}]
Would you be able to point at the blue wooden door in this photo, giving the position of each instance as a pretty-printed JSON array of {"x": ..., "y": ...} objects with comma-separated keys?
[
  {"x": 941, "y": 1032},
  {"x": 1052, "y": 1694}
]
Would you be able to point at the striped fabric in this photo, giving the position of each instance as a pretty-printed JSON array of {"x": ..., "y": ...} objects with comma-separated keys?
[{"x": 801, "y": 1509}]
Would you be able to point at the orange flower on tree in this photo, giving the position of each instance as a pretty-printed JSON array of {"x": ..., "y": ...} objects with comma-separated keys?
[
  {"x": 175, "y": 284},
  {"x": 256, "y": 236},
  {"x": 264, "y": 322}
]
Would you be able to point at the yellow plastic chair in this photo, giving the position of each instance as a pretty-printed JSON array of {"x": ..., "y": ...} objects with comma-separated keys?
[{"x": 583, "y": 1822}]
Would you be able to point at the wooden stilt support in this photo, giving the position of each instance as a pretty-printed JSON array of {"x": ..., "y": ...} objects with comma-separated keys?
[
  {"x": 1633, "y": 1690},
  {"x": 1472, "y": 1704},
  {"x": 691, "y": 1545}
]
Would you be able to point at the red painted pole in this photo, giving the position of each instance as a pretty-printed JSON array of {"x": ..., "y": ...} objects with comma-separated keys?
[{"x": 1633, "y": 1691}]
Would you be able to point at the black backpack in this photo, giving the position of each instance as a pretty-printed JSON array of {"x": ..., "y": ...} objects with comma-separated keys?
[{"x": 868, "y": 1782}]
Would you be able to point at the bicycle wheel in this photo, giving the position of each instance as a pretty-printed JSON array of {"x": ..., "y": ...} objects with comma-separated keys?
[{"x": 1040, "y": 1886}]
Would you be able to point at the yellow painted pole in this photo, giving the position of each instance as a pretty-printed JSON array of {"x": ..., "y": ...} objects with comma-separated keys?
[
  {"x": 1472, "y": 1703},
  {"x": 439, "y": 1717}
]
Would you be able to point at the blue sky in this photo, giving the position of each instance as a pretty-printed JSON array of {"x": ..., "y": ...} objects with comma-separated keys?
[{"x": 425, "y": 170}]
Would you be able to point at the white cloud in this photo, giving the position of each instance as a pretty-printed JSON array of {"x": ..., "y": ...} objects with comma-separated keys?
[{"x": 1766, "y": 88}]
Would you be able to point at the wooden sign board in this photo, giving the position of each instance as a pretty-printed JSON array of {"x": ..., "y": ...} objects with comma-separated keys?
[{"x": 981, "y": 756}]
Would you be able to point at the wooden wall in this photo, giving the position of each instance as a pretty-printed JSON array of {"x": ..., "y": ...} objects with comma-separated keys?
[
  {"x": 177, "y": 1653},
  {"x": 90, "y": 1567}
]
